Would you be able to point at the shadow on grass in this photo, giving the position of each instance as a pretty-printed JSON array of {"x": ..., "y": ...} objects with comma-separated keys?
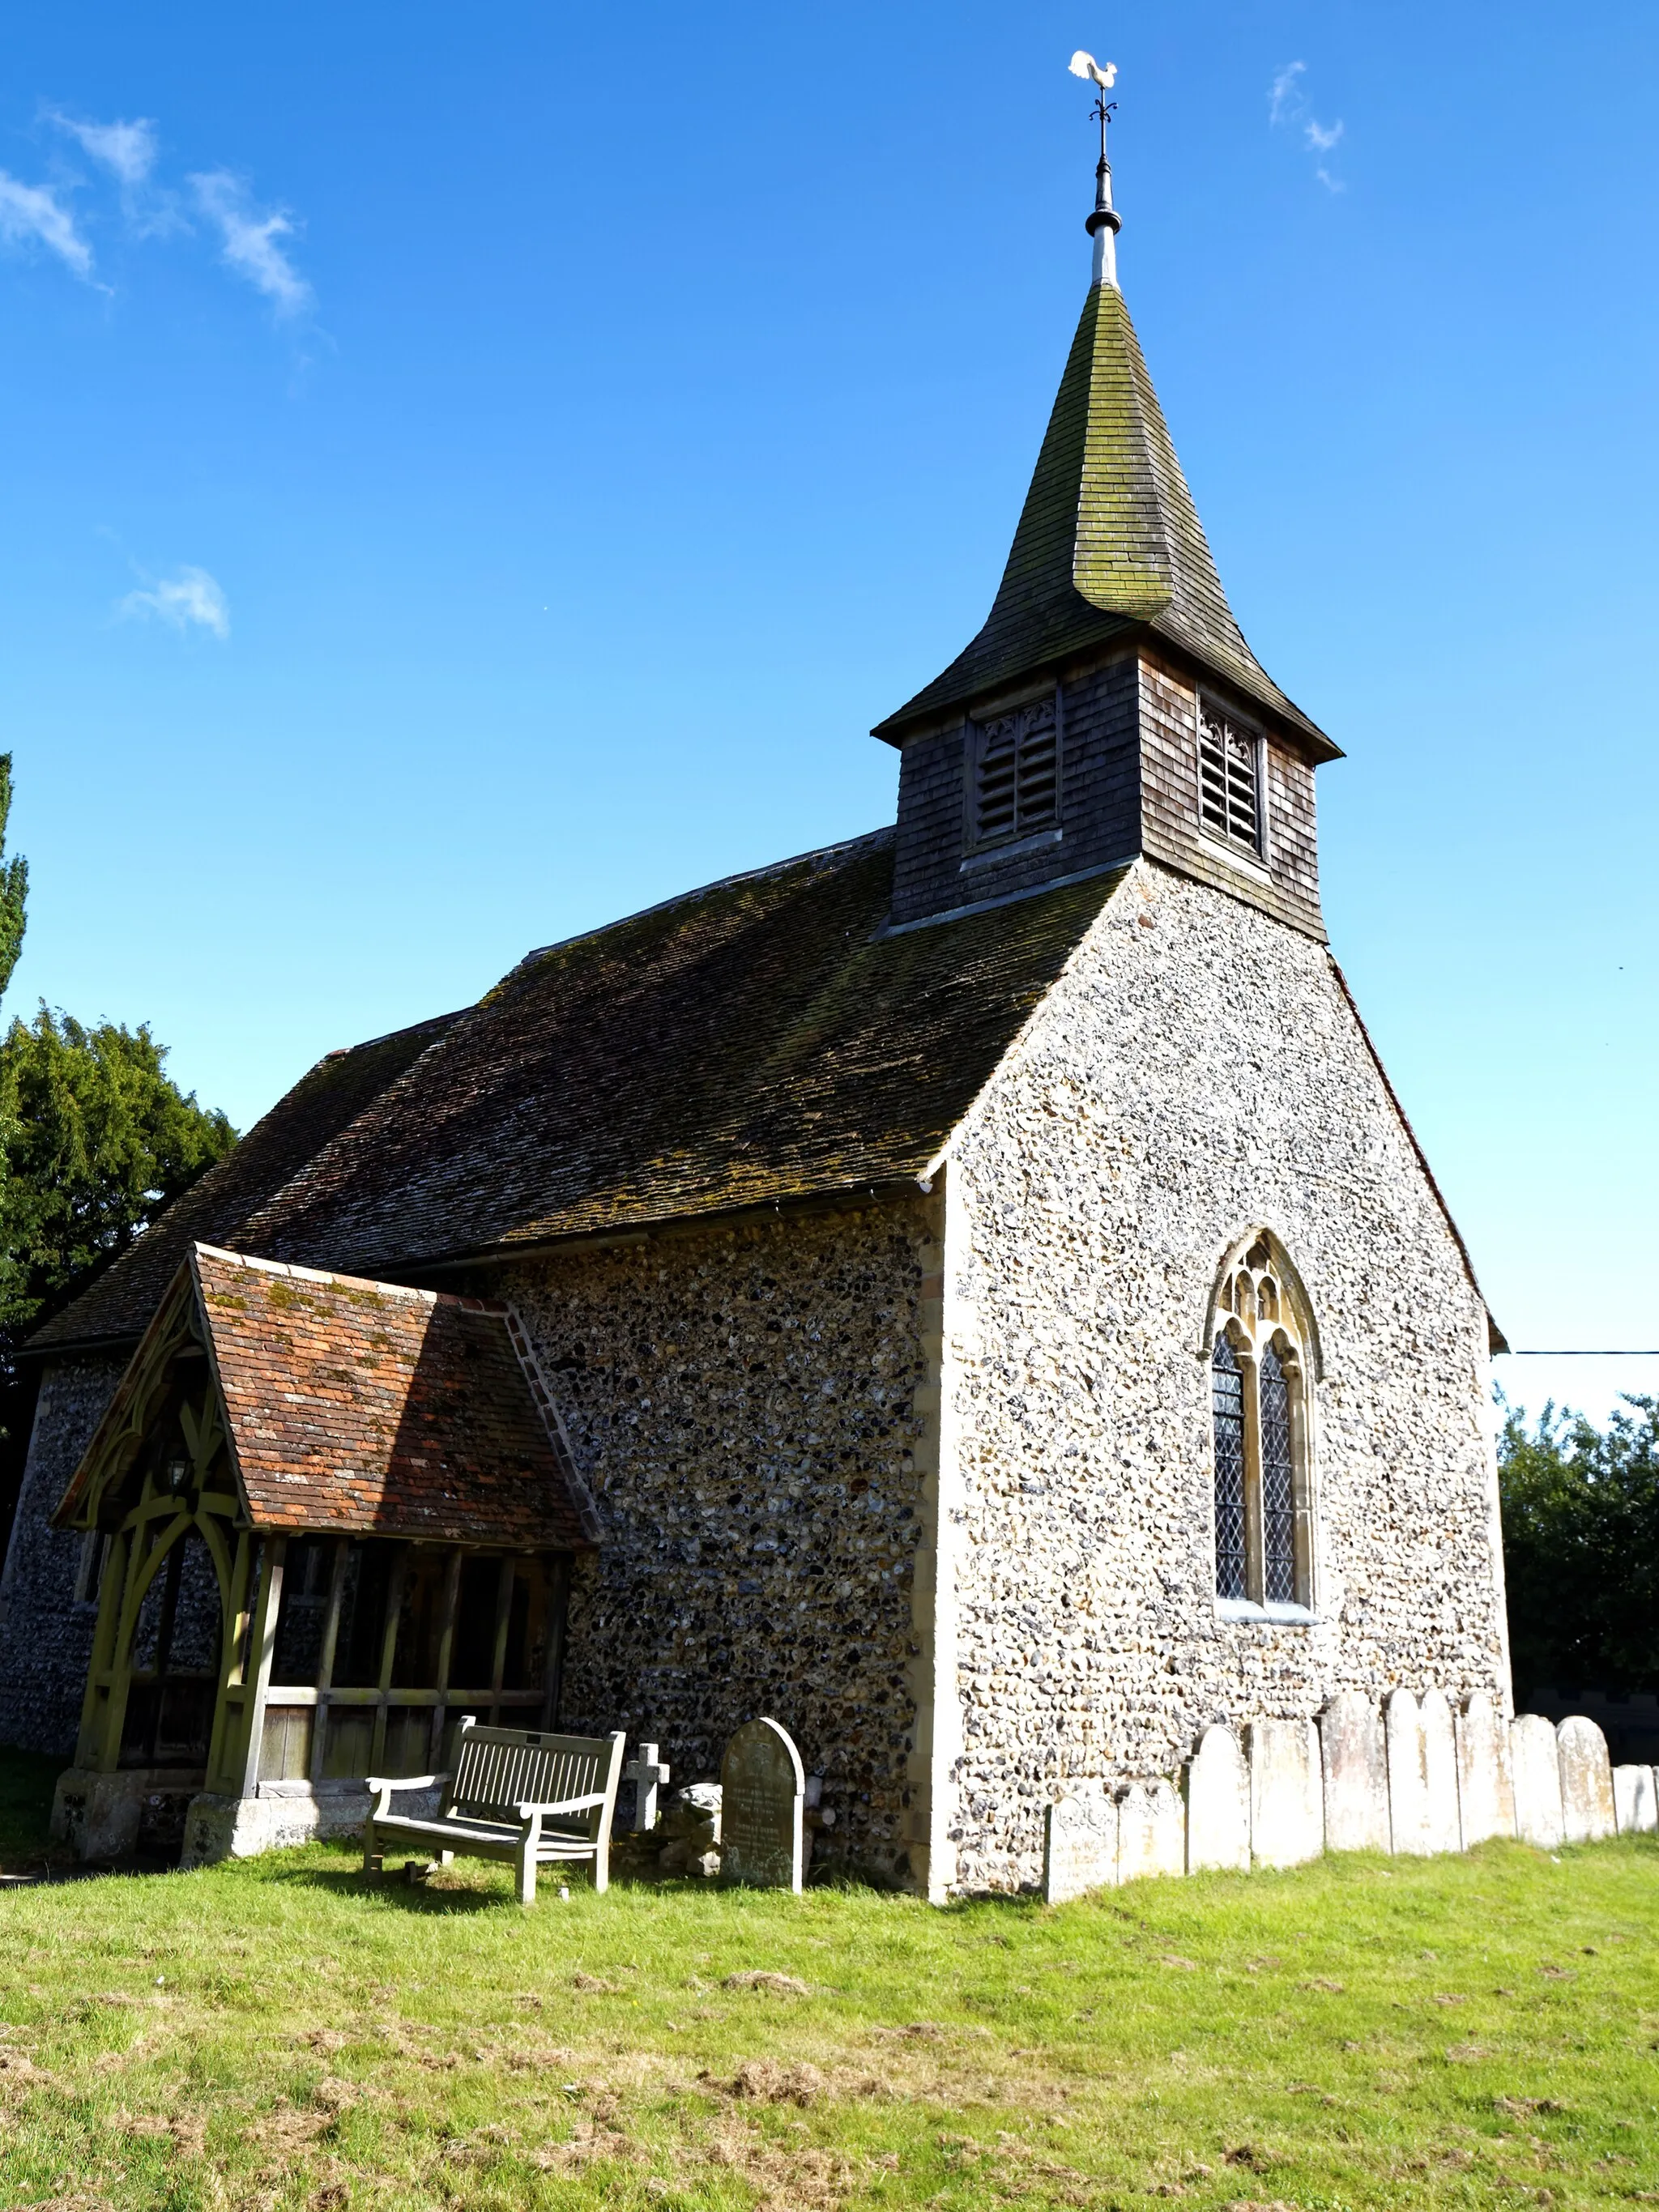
[{"x": 395, "y": 1889}]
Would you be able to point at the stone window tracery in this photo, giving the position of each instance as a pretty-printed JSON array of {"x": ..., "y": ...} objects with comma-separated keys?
[{"x": 1259, "y": 1379}]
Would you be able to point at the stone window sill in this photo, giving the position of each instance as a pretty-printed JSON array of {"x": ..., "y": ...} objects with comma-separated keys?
[
  {"x": 1036, "y": 843},
  {"x": 1281, "y": 1616}
]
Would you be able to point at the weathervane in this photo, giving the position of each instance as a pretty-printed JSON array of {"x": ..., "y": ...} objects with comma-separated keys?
[{"x": 1105, "y": 223}]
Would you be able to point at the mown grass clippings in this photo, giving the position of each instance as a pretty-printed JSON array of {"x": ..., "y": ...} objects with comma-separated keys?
[{"x": 284, "y": 2033}]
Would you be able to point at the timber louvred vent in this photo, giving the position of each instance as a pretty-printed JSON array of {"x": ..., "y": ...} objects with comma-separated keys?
[
  {"x": 1016, "y": 790},
  {"x": 1228, "y": 784}
]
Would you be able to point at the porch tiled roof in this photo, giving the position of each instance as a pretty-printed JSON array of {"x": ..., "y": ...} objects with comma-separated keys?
[{"x": 362, "y": 1409}]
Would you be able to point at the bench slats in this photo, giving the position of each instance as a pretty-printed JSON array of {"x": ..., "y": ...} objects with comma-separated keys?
[{"x": 500, "y": 1772}]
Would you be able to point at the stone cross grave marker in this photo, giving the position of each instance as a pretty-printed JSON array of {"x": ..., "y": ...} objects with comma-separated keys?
[
  {"x": 762, "y": 1791},
  {"x": 647, "y": 1773}
]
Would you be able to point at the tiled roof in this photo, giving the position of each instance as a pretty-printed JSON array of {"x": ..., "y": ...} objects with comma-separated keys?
[
  {"x": 759, "y": 1042},
  {"x": 119, "y": 1303},
  {"x": 362, "y": 1409},
  {"x": 1108, "y": 542}
]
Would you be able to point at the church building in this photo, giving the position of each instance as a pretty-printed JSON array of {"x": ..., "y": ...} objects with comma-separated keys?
[{"x": 970, "y": 1293}]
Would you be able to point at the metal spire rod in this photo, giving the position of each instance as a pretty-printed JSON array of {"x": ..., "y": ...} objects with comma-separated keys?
[{"x": 1105, "y": 223}]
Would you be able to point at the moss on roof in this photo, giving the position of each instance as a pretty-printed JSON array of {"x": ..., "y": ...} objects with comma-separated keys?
[
  {"x": 1108, "y": 542},
  {"x": 759, "y": 1042}
]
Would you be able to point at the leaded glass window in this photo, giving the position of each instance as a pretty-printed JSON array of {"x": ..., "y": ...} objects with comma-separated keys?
[
  {"x": 1263, "y": 1432},
  {"x": 1277, "y": 1484},
  {"x": 1227, "y": 1393}
]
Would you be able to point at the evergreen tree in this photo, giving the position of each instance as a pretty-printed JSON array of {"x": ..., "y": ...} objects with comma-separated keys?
[{"x": 14, "y": 885}]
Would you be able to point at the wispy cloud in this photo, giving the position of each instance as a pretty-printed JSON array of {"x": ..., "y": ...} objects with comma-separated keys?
[
  {"x": 1285, "y": 94},
  {"x": 190, "y": 599},
  {"x": 32, "y": 214},
  {"x": 1287, "y": 105},
  {"x": 250, "y": 239},
  {"x": 128, "y": 150}
]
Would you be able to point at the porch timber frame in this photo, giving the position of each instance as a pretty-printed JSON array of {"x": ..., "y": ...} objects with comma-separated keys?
[
  {"x": 254, "y": 1718},
  {"x": 272, "y": 1709}
]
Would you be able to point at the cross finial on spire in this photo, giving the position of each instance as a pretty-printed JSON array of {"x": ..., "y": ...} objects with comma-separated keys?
[{"x": 1105, "y": 223}]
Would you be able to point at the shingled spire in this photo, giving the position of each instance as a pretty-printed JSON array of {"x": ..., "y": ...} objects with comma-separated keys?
[{"x": 1109, "y": 541}]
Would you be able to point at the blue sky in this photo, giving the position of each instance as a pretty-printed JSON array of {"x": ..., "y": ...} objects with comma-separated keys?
[{"x": 469, "y": 474}]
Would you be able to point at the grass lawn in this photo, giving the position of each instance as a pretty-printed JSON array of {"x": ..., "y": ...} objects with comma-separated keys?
[{"x": 1454, "y": 2031}]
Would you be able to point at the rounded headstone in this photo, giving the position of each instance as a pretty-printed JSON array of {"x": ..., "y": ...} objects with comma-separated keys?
[
  {"x": 1485, "y": 1791},
  {"x": 1535, "y": 1762},
  {"x": 1217, "y": 1791},
  {"x": 1356, "y": 1774},
  {"x": 762, "y": 1796},
  {"x": 1587, "y": 1808}
]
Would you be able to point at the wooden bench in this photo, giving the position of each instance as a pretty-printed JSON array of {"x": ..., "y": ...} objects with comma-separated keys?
[{"x": 535, "y": 1800}]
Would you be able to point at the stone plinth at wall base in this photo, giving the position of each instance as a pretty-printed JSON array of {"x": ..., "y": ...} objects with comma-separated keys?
[
  {"x": 105, "y": 1816},
  {"x": 281, "y": 1816}
]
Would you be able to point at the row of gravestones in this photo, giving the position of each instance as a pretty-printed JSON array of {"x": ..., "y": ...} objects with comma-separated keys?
[{"x": 1412, "y": 1775}]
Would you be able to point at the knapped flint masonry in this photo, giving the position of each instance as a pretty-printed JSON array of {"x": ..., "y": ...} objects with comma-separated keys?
[{"x": 995, "y": 1305}]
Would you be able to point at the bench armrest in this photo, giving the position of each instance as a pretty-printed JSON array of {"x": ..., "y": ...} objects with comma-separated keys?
[
  {"x": 563, "y": 1805},
  {"x": 379, "y": 1782}
]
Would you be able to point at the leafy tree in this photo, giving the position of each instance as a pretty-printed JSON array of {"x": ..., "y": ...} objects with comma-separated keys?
[{"x": 1581, "y": 1548}]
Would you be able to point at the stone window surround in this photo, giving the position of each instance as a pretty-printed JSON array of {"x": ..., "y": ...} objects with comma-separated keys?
[{"x": 1259, "y": 1299}]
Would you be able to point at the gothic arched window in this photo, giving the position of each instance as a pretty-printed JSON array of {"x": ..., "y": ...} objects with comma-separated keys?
[{"x": 1259, "y": 1373}]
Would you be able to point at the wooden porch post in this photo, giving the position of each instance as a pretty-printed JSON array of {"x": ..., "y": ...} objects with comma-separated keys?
[{"x": 258, "y": 1673}]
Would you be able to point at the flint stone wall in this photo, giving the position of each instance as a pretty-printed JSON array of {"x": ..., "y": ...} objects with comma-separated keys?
[
  {"x": 1197, "y": 1071},
  {"x": 743, "y": 1403},
  {"x": 45, "y": 1636}
]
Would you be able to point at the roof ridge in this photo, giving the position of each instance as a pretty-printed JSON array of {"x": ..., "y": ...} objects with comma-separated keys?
[
  {"x": 868, "y": 837},
  {"x": 336, "y": 1280}
]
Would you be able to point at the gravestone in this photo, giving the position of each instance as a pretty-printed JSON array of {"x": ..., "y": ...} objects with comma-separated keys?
[
  {"x": 1217, "y": 1791},
  {"x": 1408, "y": 1774},
  {"x": 763, "y": 1796},
  {"x": 1079, "y": 1842},
  {"x": 1535, "y": 1763},
  {"x": 1587, "y": 1809},
  {"x": 1486, "y": 1789},
  {"x": 1634, "y": 1800},
  {"x": 1441, "y": 1825},
  {"x": 647, "y": 1773},
  {"x": 1356, "y": 1774},
  {"x": 1287, "y": 1796},
  {"x": 1152, "y": 1831}
]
